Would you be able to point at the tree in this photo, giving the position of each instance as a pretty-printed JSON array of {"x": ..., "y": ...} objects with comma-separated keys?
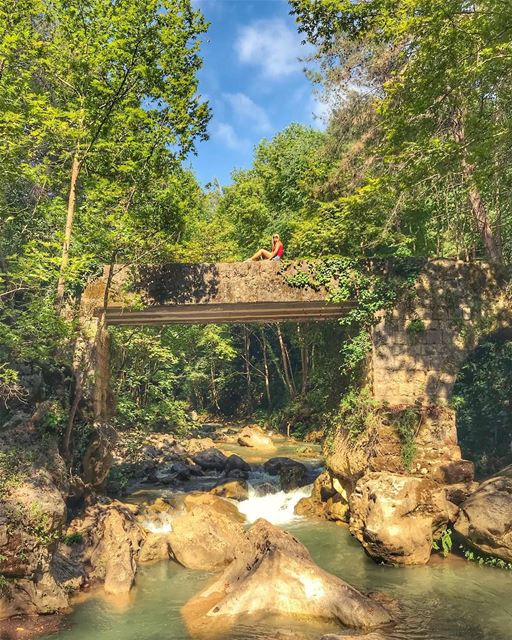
[{"x": 444, "y": 108}]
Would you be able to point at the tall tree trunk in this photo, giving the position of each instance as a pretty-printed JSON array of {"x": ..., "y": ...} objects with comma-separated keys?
[
  {"x": 215, "y": 395},
  {"x": 266, "y": 369},
  {"x": 248, "y": 377},
  {"x": 286, "y": 364},
  {"x": 304, "y": 358},
  {"x": 75, "y": 172},
  {"x": 476, "y": 203}
]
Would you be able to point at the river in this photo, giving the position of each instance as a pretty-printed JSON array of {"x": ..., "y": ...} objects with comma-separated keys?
[{"x": 449, "y": 599}]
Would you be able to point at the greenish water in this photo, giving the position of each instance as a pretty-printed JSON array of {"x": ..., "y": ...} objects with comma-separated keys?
[{"x": 447, "y": 600}]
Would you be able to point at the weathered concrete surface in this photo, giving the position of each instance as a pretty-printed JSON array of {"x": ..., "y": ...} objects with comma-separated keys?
[{"x": 206, "y": 293}]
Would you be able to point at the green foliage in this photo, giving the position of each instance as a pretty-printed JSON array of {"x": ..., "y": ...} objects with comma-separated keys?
[
  {"x": 444, "y": 544},
  {"x": 415, "y": 327},
  {"x": 405, "y": 422},
  {"x": 431, "y": 128},
  {"x": 367, "y": 290},
  {"x": 481, "y": 397},
  {"x": 102, "y": 96},
  {"x": 5, "y": 588},
  {"x": 357, "y": 412},
  {"x": 11, "y": 470},
  {"x": 72, "y": 538},
  {"x": 488, "y": 561}
]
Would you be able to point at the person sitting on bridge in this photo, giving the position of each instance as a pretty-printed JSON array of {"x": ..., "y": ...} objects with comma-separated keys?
[{"x": 275, "y": 254}]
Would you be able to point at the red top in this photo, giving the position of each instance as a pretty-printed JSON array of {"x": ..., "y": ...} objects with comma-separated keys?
[{"x": 280, "y": 251}]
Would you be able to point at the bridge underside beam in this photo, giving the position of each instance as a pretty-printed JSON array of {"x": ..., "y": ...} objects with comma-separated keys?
[{"x": 260, "y": 312}]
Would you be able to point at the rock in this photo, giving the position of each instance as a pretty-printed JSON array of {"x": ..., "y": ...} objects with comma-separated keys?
[
  {"x": 211, "y": 459},
  {"x": 453, "y": 472},
  {"x": 378, "y": 448},
  {"x": 310, "y": 508},
  {"x": 397, "y": 517},
  {"x": 160, "y": 505},
  {"x": 204, "y": 539},
  {"x": 67, "y": 569},
  {"x": 334, "y": 509},
  {"x": 196, "y": 445},
  {"x": 458, "y": 493},
  {"x": 256, "y": 438},
  {"x": 265, "y": 488},
  {"x": 291, "y": 473},
  {"x": 232, "y": 489},
  {"x": 214, "y": 504},
  {"x": 180, "y": 470},
  {"x": 272, "y": 572},
  {"x": 236, "y": 463},
  {"x": 485, "y": 520},
  {"x": 32, "y": 517},
  {"x": 156, "y": 546},
  {"x": 112, "y": 538}
]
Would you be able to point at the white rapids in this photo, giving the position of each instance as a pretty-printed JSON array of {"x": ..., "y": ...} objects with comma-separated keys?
[{"x": 277, "y": 508}]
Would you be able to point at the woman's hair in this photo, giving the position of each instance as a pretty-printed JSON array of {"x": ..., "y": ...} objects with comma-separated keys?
[{"x": 275, "y": 236}]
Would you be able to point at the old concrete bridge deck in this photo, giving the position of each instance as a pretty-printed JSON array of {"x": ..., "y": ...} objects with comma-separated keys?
[{"x": 208, "y": 293}]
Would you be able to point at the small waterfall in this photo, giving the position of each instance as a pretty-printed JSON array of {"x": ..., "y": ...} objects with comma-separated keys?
[
  {"x": 277, "y": 508},
  {"x": 157, "y": 523}
]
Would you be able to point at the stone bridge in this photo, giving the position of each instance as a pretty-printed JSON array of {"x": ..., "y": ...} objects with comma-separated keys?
[{"x": 417, "y": 351}]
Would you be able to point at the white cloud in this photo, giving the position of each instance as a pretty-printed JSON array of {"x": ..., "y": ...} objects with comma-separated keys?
[
  {"x": 271, "y": 44},
  {"x": 225, "y": 134},
  {"x": 247, "y": 111}
]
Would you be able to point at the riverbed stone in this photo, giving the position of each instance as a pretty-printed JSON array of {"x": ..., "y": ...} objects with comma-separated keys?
[
  {"x": 291, "y": 473},
  {"x": 112, "y": 538},
  {"x": 232, "y": 489},
  {"x": 238, "y": 464},
  {"x": 273, "y": 572},
  {"x": 254, "y": 437},
  {"x": 211, "y": 459},
  {"x": 204, "y": 539},
  {"x": 212, "y": 503},
  {"x": 485, "y": 520},
  {"x": 155, "y": 547},
  {"x": 396, "y": 518}
]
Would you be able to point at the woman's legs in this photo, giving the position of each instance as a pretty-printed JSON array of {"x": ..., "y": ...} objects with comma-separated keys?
[{"x": 262, "y": 254}]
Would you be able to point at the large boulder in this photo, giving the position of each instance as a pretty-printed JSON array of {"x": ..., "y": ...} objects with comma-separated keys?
[
  {"x": 255, "y": 438},
  {"x": 212, "y": 503},
  {"x": 111, "y": 542},
  {"x": 204, "y": 538},
  {"x": 292, "y": 474},
  {"x": 155, "y": 547},
  {"x": 211, "y": 459},
  {"x": 238, "y": 466},
  {"x": 196, "y": 445},
  {"x": 396, "y": 518},
  {"x": 328, "y": 500},
  {"x": 272, "y": 572},
  {"x": 485, "y": 520}
]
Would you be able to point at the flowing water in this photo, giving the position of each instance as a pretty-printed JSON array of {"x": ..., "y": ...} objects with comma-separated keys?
[{"x": 449, "y": 599}]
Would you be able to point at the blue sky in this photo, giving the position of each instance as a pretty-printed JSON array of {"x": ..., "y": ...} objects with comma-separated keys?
[{"x": 253, "y": 80}]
